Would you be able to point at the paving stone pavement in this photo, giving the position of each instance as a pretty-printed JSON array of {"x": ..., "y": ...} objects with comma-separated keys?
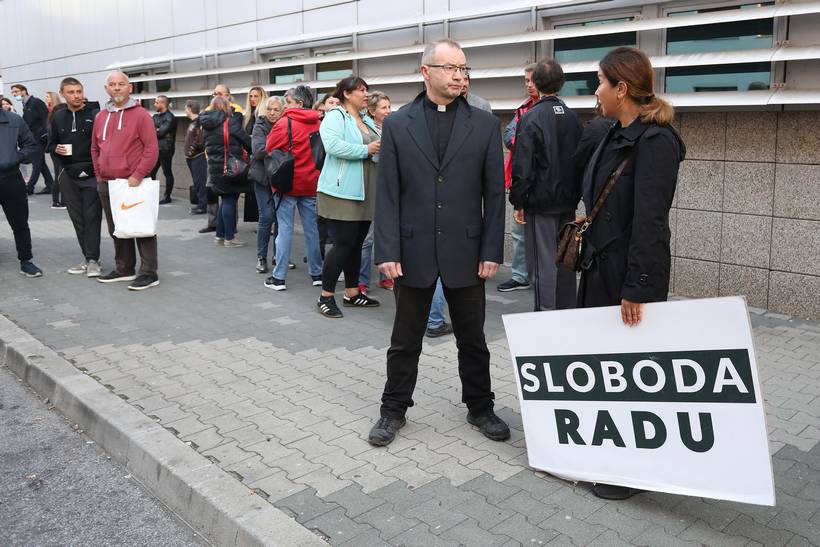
[{"x": 258, "y": 382}]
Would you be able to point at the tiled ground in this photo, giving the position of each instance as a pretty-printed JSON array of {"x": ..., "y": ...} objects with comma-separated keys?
[{"x": 282, "y": 398}]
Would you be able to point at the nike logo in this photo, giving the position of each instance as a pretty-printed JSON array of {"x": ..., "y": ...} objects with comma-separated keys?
[{"x": 125, "y": 207}]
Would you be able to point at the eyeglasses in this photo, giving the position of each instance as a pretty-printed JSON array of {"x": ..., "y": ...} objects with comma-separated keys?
[{"x": 452, "y": 69}]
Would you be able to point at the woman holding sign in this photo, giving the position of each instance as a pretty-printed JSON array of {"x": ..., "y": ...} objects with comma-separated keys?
[{"x": 632, "y": 175}]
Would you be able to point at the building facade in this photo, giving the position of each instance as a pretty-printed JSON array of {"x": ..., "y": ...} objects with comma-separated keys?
[{"x": 744, "y": 77}]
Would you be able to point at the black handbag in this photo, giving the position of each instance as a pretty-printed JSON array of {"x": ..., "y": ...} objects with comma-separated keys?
[
  {"x": 317, "y": 148},
  {"x": 234, "y": 170},
  {"x": 279, "y": 166}
]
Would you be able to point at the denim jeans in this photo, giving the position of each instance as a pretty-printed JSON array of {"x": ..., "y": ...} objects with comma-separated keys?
[
  {"x": 436, "y": 317},
  {"x": 226, "y": 216},
  {"x": 367, "y": 260},
  {"x": 267, "y": 218},
  {"x": 285, "y": 216},
  {"x": 519, "y": 256}
]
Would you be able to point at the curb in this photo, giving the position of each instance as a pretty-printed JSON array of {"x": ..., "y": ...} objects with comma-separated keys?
[{"x": 215, "y": 504}]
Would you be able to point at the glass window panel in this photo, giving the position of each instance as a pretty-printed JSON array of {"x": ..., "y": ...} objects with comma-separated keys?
[
  {"x": 737, "y": 77},
  {"x": 334, "y": 70},
  {"x": 584, "y": 83},
  {"x": 287, "y": 75},
  {"x": 591, "y": 48},
  {"x": 731, "y": 36}
]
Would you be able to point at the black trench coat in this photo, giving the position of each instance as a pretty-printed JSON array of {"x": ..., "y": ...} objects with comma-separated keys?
[{"x": 626, "y": 249}]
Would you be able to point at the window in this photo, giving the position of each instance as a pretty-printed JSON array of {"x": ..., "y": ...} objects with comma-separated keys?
[
  {"x": 138, "y": 87},
  {"x": 334, "y": 70},
  {"x": 162, "y": 85},
  {"x": 730, "y": 36},
  {"x": 588, "y": 48},
  {"x": 286, "y": 74}
]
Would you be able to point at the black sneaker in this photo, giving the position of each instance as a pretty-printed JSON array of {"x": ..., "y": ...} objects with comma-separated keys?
[
  {"x": 207, "y": 229},
  {"x": 435, "y": 332},
  {"x": 144, "y": 281},
  {"x": 512, "y": 285},
  {"x": 275, "y": 284},
  {"x": 58, "y": 206},
  {"x": 612, "y": 492},
  {"x": 28, "y": 269},
  {"x": 317, "y": 280},
  {"x": 198, "y": 211},
  {"x": 385, "y": 430},
  {"x": 491, "y": 426},
  {"x": 327, "y": 307},
  {"x": 165, "y": 201},
  {"x": 113, "y": 276},
  {"x": 360, "y": 301}
]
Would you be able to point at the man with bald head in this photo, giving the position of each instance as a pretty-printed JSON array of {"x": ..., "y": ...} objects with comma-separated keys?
[
  {"x": 166, "y": 125},
  {"x": 124, "y": 146},
  {"x": 439, "y": 215}
]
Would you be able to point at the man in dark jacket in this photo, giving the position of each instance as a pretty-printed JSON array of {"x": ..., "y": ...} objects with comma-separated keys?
[
  {"x": 35, "y": 114},
  {"x": 17, "y": 146},
  {"x": 194, "y": 148},
  {"x": 439, "y": 213},
  {"x": 71, "y": 130},
  {"x": 545, "y": 186},
  {"x": 166, "y": 125}
]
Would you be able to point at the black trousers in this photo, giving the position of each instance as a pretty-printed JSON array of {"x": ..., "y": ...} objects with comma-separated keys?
[
  {"x": 346, "y": 253},
  {"x": 467, "y": 307},
  {"x": 38, "y": 165},
  {"x": 165, "y": 160},
  {"x": 55, "y": 188},
  {"x": 199, "y": 174},
  {"x": 85, "y": 211},
  {"x": 14, "y": 202}
]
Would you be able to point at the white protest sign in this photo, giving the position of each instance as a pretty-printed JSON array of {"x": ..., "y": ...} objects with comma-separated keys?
[{"x": 672, "y": 405}]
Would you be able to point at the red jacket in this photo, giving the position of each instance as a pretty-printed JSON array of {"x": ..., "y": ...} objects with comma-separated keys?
[
  {"x": 303, "y": 122},
  {"x": 520, "y": 111},
  {"x": 124, "y": 143}
]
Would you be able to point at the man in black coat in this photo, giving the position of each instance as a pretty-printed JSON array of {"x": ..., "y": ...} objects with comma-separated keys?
[
  {"x": 35, "y": 114},
  {"x": 546, "y": 186},
  {"x": 17, "y": 146},
  {"x": 166, "y": 124},
  {"x": 439, "y": 213}
]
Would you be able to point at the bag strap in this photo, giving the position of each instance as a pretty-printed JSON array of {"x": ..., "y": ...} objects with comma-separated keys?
[
  {"x": 226, "y": 142},
  {"x": 610, "y": 183},
  {"x": 290, "y": 137}
]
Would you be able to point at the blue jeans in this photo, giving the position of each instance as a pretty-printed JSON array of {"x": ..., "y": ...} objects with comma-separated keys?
[
  {"x": 436, "y": 317},
  {"x": 226, "y": 216},
  {"x": 266, "y": 219},
  {"x": 519, "y": 256},
  {"x": 367, "y": 260},
  {"x": 284, "y": 216}
]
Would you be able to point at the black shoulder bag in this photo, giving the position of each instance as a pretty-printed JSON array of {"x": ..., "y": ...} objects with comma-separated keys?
[{"x": 279, "y": 166}]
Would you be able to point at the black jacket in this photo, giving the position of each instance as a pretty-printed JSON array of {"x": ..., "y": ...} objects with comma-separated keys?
[
  {"x": 258, "y": 139},
  {"x": 440, "y": 218},
  {"x": 35, "y": 114},
  {"x": 74, "y": 128},
  {"x": 166, "y": 125},
  {"x": 16, "y": 143},
  {"x": 544, "y": 178},
  {"x": 626, "y": 252},
  {"x": 212, "y": 123}
]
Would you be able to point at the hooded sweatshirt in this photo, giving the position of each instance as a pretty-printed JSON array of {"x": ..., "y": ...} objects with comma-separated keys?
[
  {"x": 124, "y": 142},
  {"x": 303, "y": 122}
]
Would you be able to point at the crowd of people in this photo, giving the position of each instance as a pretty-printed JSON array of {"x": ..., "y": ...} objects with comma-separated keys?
[{"x": 422, "y": 187}]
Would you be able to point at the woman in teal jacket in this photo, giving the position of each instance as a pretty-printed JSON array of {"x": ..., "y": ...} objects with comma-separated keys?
[{"x": 346, "y": 192}]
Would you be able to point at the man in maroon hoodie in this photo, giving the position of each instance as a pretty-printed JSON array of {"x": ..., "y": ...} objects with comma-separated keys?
[{"x": 124, "y": 146}]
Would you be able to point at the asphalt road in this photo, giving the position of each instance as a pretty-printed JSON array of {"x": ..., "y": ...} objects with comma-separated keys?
[{"x": 59, "y": 488}]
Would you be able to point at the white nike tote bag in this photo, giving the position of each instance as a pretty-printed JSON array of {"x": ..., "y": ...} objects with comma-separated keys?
[{"x": 135, "y": 209}]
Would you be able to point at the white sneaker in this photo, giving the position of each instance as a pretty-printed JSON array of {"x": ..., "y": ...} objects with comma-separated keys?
[
  {"x": 219, "y": 241},
  {"x": 93, "y": 268},
  {"x": 233, "y": 243},
  {"x": 80, "y": 269}
]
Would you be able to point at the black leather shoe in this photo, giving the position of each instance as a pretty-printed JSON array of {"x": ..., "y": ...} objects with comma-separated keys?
[
  {"x": 441, "y": 330},
  {"x": 612, "y": 492},
  {"x": 207, "y": 229},
  {"x": 385, "y": 430},
  {"x": 491, "y": 426}
]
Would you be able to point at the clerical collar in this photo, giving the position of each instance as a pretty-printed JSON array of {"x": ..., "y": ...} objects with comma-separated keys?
[{"x": 440, "y": 107}]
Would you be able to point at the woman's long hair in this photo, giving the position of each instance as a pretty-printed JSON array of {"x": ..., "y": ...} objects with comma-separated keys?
[
  {"x": 632, "y": 67},
  {"x": 249, "y": 111}
]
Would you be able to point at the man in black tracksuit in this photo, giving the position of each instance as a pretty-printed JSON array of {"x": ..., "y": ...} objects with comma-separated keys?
[
  {"x": 166, "y": 125},
  {"x": 35, "y": 114},
  {"x": 71, "y": 130},
  {"x": 17, "y": 146},
  {"x": 545, "y": 186}
]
